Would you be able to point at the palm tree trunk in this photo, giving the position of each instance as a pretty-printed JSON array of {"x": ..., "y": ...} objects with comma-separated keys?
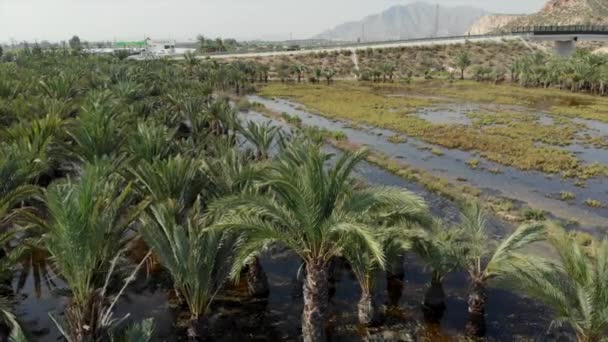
[
  {"x": 197, "y": 328},
  {"x": 315, "y": 303},
  {"x": 434, "y": 301},
  {"x": 394, "y": 281},
  {"x": 366, "y": 307},
  {"x": 257, "y": 282},
  {"x": 476, "y": 326}
]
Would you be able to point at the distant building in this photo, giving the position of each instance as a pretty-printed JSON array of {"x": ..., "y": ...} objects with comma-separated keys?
[{"x": 160, "y": 47}]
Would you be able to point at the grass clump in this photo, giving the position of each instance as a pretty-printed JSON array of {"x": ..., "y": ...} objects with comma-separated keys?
[
  {"x": 292, "y": 120},
  {"x": 243, "y": 105},
  {"x": 397, "y": 139},
  {"x": 437, "y": 152},
  {"x": 534, "y": 215},
  {"x": 473, "y": 163},
  {"x": 592, "y": 203},
  {"x": 567, "y": 196}
]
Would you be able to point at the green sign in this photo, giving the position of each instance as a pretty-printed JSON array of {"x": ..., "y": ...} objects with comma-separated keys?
[{"x": 126, "y": 45}]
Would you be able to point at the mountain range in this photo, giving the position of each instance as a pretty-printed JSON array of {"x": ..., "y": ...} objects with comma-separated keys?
[
  {"x": 423, "y": 20},
  {"x": 415, "y": 20}
]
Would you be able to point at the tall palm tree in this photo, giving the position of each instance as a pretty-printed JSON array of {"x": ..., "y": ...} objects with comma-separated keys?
[
  {"x": 485, "y": 264},
  {"x": 574, "y": 286},
  {"x": 198, "y": 258},
  {"x": 88, "y": 219},
  {"x": 317, "y": 212}
]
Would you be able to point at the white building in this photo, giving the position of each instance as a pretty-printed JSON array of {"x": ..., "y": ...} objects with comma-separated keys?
[{"x": 160, "y": 47}]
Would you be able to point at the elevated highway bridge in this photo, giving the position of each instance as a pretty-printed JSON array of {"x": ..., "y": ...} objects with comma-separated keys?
[{"x": 563, "y": 37}]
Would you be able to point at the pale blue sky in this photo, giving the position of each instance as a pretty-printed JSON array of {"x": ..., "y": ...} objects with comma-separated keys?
[{"x": 182, "y": 19}]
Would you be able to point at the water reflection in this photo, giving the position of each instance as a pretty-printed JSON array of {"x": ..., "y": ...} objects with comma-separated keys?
[{"x": 534, "y": 188}]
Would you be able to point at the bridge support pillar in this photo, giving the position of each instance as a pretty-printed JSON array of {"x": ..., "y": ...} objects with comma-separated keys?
[{"x": 565, "y": 48}]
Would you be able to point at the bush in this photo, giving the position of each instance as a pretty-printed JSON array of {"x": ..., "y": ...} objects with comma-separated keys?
[
  {"x": 534, "y": 215},
  {"x": 243, "y": 105}
]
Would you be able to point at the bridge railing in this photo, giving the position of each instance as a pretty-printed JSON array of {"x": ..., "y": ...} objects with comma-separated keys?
[{"x": 562, "y": 29}]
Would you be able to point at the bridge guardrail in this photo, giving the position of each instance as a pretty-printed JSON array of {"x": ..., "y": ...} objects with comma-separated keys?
[
  {"x": 351, "y": 45},
  {"x": 518, "y": 31}
]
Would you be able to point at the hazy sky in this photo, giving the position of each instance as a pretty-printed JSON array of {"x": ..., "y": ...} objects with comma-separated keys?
[{"x": 182, "y": 19}]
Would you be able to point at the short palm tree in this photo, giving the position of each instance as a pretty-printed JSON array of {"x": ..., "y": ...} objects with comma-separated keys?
[
  {"x": 261, "y": 136},
  {"x": 231, "y": 174},
  {"x": 439, "y": 249},
  {"x": 463, "y": 61},
  {"x": 198, "y": 258},
  {"x": 176, "y": 181},
  {"x": 485, "y": 264},
  {"x": 98, "y": 132},
  {"x": 88, "y": 219},
  {"x": 317, "y": 212},
  {"x": 574, "y": 287},
  {"x": 395, "y": 240},
  {"x": 150, "y": 141}
]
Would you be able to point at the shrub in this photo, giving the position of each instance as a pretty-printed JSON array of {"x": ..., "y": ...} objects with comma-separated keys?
[
  {"x": 594, "y": 203},
  {"x": 566, "y": 196},
  {"x": 243, "y": 105},
  {"x": 534, "y": 215}
]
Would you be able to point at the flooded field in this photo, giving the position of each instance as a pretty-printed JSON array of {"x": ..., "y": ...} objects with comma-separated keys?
[
  {"x": 234, "y": 317},
  {"x": 537, "y": 189}
]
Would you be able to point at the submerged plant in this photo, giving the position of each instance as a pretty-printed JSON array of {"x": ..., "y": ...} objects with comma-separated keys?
[
  {"x": 198, "y": 258},
  {"x": 486, "y": 264}
]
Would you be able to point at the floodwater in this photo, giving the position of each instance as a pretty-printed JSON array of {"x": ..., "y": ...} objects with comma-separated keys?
[
  {"x": 537, "y": 189},
  {"x": 236, "y": 318}
]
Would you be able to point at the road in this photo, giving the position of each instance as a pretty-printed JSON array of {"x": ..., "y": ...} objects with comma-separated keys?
[{"x": 354, "y": 47}]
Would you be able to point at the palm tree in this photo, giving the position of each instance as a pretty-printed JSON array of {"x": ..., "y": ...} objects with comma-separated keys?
[
  {"x": 439, "y": 249},
  {"x": 261, "y": 136},
  {"x": 198, "y": 258},
  {"x": 315, "y": 211},
  {"x": 395, "y": 239},
  {"x": 463, "y": 61},
  {"x": 176, "y": 182},
  {"x": 150, "y": 141},
  {"x": 574, "y": 286},
  {"x": 98, "y": 131},
  {"x": 88, "y": 219},
  {"x": 299, "y": 70},
  {"x": 329, "y": 74},
  {"x": 485, "y": 264},
  {"x": 231, "y": 174}
]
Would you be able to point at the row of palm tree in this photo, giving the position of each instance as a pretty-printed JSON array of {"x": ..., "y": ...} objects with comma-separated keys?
[
  {"x": 583, "y": 72},
  {"x": 99, "y": 155}
]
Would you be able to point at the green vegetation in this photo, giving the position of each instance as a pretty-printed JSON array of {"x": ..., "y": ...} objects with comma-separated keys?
[
  {"x": 567, "y": 196},
  {"x": 104, "y": 158},
  {"x": 510, "y": 139},
  {"x": 594, "y": 203},
  {"x": 397, "y": 139}
]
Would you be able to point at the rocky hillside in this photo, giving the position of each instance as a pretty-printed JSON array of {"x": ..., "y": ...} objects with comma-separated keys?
[
  {"x": 416, "y": 20},
  {"x": 566, "y": 12},
  {"x": 491, "y": 23}
]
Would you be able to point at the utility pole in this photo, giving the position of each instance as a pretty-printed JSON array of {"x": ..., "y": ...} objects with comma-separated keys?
[
  {"x": 436, "y": 33},
  {"x": 362, "y": 32}
]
